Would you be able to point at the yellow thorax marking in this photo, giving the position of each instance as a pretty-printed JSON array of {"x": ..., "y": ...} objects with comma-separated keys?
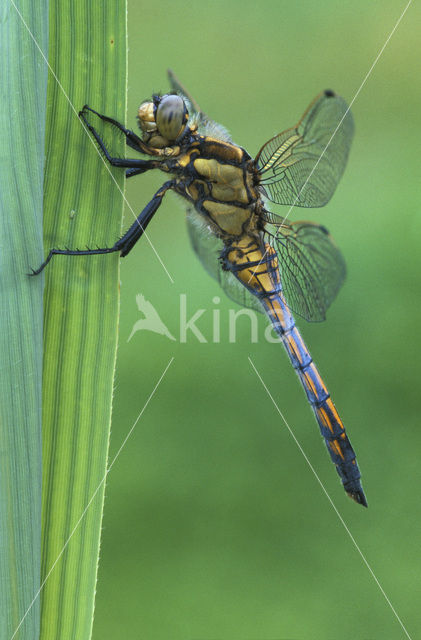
[{"x": 215, "y": 171}]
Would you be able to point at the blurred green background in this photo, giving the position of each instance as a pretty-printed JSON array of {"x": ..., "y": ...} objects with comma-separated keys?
[{"x": 215, "y": 527}]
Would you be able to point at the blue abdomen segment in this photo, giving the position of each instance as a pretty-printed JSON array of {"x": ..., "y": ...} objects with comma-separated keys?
[{"x": 330, "y": 424}]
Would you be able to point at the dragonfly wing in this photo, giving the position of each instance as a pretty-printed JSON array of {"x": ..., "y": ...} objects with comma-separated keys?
[
  {"x": 302, "y": 166},
  {"x": 205, "y": 125},
  {"x": 311, "y": 266},
  {"x": 179, "y": 88},
  {"x": 208, "y": 249}
]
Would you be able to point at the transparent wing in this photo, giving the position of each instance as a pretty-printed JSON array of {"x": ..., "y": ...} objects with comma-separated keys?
[
  {"x": 311, "y": 266},
  {"x": 208, "y": 249},
  {"x": 205, "y": 125},
  {"x": 179, "y": 88},
  {"x": 303, "y": 165}
]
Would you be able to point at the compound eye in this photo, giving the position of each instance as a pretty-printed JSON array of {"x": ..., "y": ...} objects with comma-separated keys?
[{"x": 171, "y": 117}]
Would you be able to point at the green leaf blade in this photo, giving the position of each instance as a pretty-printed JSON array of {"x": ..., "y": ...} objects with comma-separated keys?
[
  {"x": 22, "y": 117},
  {"x": 83, "y": 206}
]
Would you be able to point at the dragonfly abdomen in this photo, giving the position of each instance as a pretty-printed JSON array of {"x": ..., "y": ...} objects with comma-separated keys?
[
  {"x": 257, "y": 268},
  {"x": 330, "y": 424}
]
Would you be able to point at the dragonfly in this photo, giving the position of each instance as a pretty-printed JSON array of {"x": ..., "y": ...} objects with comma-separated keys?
[{"x": 260, "y": 259}]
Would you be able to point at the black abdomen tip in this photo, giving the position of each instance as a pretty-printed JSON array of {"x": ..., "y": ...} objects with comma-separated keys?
[{"x": 359, "y": 497}]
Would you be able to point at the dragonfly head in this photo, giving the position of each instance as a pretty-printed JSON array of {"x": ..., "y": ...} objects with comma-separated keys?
[{"x": 163, "y": 120}]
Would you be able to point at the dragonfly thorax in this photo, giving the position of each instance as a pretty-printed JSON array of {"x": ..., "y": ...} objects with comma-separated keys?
[{"x": 217, "y": 177}]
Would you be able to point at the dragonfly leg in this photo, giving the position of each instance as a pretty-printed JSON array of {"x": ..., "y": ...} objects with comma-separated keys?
[
  {"x": 132, "y": 235},
  {"x": 126, "y": 243},
  {"x": 70, "y": 252},
  {"x": 132, "y": 139},
  {"x": 135, "y": 171}
]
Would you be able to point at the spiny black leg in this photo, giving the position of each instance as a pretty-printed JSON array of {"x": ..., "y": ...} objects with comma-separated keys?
[
  {"x": 140, "y": 165},
  {"x": 71, "y": 252},
  {"x": 126, "y": 242},
  {"x": 135, "y": 172},
  {"x": 131, "y": 138}
]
